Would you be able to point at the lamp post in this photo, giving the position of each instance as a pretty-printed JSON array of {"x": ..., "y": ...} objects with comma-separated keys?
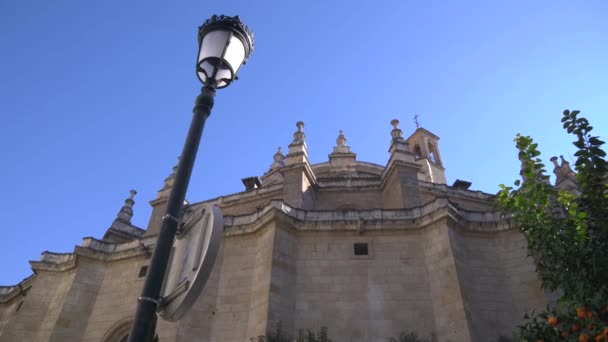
[{"x": 224, "y": 45}]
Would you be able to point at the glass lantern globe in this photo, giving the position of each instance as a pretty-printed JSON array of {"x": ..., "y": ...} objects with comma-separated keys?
[{"x": 225, "y": 43}]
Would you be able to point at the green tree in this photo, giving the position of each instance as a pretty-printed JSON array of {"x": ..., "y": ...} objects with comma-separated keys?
[{"x": 567, "y": 234}]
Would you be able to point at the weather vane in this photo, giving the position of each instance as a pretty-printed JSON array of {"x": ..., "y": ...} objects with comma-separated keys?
[{"x": 416, "y": 121}]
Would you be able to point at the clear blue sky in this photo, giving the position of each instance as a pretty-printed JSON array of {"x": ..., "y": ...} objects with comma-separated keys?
[{"x": 96, "y": 96}]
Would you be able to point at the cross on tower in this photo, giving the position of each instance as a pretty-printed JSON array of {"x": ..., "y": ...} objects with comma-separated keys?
[{"x": 416, "y": 121}]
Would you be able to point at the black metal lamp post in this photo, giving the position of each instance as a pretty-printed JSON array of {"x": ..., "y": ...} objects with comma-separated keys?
[{"x": 224, "y": 45}]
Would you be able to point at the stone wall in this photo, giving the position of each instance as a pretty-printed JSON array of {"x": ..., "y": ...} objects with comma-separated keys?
[
  {"x": 241, "y": 296},
  {"x": 445, "y": 289},
  {"x": 116, "y": 298},
  {"x": 362, "y": 298},
  {"x": 354, "y": 199},
  {"x": 36, "y": 319},
  {"x": 498, "y": 280},
  {"x": 282, "y": 292}
]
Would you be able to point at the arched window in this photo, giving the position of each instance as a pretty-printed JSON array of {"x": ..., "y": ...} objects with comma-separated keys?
[
  {"x": 417, "y": 151},
  {"x": 433, "y": 154}
]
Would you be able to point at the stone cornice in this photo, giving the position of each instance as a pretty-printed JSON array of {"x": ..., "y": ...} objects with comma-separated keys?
[
  {"x": 8, "y": 293},
  {"x": 322, "y": 170},
  {"x": 243, "y": 196},
  {"x": 448, "y": 190},
  {"x": 54, "y": 262},
  {"x": 299, "y": 219},
  {"x": 366, "y": 220},
  {"x": 94, "y": 249},
  {"x": 348, "y": 183}
]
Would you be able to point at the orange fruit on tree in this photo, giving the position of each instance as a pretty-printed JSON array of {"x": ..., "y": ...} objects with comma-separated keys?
[
  {"x": 552, "y": 321},
  {"x": 583, "y": 338},
  {"x": 599, "y": 338},
  {"x": 580, "y": 312},
  {"x": 575, "y": 328},
  {"x": 590, "y": 314},
  {"x": 565, "y": 334}
]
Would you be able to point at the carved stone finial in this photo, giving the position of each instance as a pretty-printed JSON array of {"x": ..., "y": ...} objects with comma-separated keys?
[
  {"x": 126, "y": 212},
  {"x": 341, "y": 140},
  {"x": 298, "y": 136},
  {"x": 554, "y": 161},
  {"x": 341, "y": 144},
  {"x": 279, "y": 157},
  {"x": 565, "y": 165},
  {"x": 395, "y": 123},
  {"x": 396, "y": 133},
  {"x": 563, "y": 172}
]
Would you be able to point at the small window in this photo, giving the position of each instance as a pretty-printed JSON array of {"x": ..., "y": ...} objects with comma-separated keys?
[
  {"x": 361, "y": 249},
  {"x": 417, "y": 151},
  {"x": 433, "y": 154},
  {"x": 143, "y": 271}
]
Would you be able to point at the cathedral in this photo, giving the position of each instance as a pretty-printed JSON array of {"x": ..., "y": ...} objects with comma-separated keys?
[{"x": 366, "y": 250}]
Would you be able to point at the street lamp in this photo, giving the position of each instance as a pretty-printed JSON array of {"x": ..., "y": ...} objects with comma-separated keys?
[{"x": 224, "y": 45}]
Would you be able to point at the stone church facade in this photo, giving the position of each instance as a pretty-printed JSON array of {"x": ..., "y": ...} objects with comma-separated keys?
[{"x": 367, "y": 250}]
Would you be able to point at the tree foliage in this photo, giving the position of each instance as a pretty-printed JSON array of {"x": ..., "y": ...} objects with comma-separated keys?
[{"x": 567, "y": 233}]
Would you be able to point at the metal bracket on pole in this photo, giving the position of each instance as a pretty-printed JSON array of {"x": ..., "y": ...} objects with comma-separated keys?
[
  {"x": 151, "y": 300},
  {"x": 170, "y": 217},
  {"x": 177, "y": 221},
  {"x": 183, "y": 287}
]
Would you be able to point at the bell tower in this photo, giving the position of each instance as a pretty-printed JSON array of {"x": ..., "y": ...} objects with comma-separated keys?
[{"x": 425, "y": 147}]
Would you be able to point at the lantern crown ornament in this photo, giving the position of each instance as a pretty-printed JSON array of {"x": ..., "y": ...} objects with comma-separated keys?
[{"x": 225, "y": 43}]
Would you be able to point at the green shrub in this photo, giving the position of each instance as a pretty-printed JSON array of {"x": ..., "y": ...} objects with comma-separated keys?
[
  {"x": 303, "y": 335},
  {"x": 408, "y": 336}
]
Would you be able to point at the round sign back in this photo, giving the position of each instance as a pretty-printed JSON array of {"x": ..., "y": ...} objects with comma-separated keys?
[{"x": 191, "y": 261}]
